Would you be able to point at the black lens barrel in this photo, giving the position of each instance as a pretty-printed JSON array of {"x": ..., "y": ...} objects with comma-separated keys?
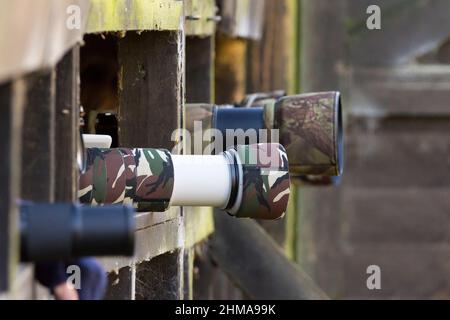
[{"x": 61, "y": 231}]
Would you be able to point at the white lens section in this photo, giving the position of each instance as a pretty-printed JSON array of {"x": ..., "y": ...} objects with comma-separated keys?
[
  {"x": 201, "y": 181},
  {"x": 97, "y": 141}
]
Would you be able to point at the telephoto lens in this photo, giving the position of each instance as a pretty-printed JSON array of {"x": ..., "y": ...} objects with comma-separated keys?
[
  {"x": 247, "y": 181},
  {"x": 308, "y": 125},
  {"x": 52, "y": 232}
]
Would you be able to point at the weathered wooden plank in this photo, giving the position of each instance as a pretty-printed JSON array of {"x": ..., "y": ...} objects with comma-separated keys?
[
  {"x": 230, "y": 65},
  {"x": 383, "y": 153},
  {"x": 158, "y": 233},
  {"x": 6, "y": 203},
  {"x": 256, "y": 264},
  {"x": 150, "y": 88},
  {"x": 200, "y": 69},
  {"x": 242, "y": 18},
  {"x": 161, "y": 278},
  {"x": 210, "y": 282},
  {"x": 267, "y": 68},
  {"x": 67, "y": 117},
  {"x": 402, "y": 91},
  {"x": 41, "y": 40},
  {"x": 198, "y": 225},
  {"x": 376, "y": 216},
  {"x": 151, "y": 101},
  {"x": 38, "y": 161},
  {"x": 200, "y": 17},
  {"x": 11, "y": 103},
  {"x": 367, "y": 47},
  {"x": 270, "y": 70},
  {"x": 124, "y": 15},
  {"x": 415, "y": 282},
  {"x": 322, "y": 52},
  {"x": 38, "y": 138},
  {"x": 188, "y": 274}
]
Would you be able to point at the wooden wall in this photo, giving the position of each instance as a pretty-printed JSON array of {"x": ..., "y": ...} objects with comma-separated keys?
[
  {"x": 391, "y": 209},
  {"x": 143, "y": 69}
]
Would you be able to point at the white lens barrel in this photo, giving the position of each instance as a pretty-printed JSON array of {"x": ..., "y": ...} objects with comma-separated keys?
[{"x": 201, "y": 181}]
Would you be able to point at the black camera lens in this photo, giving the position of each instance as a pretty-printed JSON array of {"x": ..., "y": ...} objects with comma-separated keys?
[{"x": 61, "y": 231}]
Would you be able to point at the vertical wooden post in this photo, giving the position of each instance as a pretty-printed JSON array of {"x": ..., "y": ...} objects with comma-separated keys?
[
  {"x": 150, "y": 88},
  {"x": 11, "y": 106},
  {"x": 200, "y": 69},
  {"x": 230, "y": 64},
  {"x": 322, "y": 53},
  {"x": 151, "y": 97},
  {"x": 188, "y": 280},
  {"x": 67, "y": 126},
  {"x": 321, "y": 44},
  {"x": 38, "y": 161},
  {"x": 38, "y": 141},
  {"x": 269, "y": 69}
]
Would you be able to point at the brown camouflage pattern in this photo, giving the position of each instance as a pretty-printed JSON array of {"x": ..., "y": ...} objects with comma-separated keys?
[
  {"x": 310, "y": 129},
  {"x": 266, "y": 184},
  {"x": 132, "y": 176}
]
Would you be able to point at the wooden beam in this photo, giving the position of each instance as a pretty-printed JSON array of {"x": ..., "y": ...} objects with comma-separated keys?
[
  {"x": 150, "y": 88},
  {"x": 269, "y": 70},
  {"x": 368, "y": 48},
  {"x": 242, "y": 18},
  {"x": 200, "y": 69},
  {"x": 11, "y": 103},
  {"x": 200, "y": 17},
  {"x": 38, "y": 139},
  {"x": 125, "y": 15},
  {"x": 151, "y": 102},
  {"x": 322, "y": 52},
  {"x": 188, "y": 274},
  {"x": 41, "y": 40},
  {"x": 230, "y": 65},
  {"x": 256, "y": 264},
  {"x": 210, "y": 282},
  {"x": 67, "y": 117}
]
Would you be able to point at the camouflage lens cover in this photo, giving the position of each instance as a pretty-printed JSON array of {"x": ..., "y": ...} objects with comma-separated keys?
[
  {"x": 133, "y": 176},
  {"x": 311, "y": 130},
  {"x": 265, "y": 183}
]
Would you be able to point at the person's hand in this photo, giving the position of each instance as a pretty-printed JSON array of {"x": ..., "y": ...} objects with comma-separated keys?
[{"x": 65, "y": 291}]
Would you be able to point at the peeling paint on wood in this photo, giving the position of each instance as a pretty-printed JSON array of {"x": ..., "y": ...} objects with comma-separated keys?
[
  {"x": 123, "y": 15},
  {"x": 200, "y": 17}
]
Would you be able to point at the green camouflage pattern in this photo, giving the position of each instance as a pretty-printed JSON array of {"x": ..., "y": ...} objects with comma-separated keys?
[
  {"x": 266, "y": 185},
  {"x": 143, "y": 177},
  {"x": 311, "y": 130}
]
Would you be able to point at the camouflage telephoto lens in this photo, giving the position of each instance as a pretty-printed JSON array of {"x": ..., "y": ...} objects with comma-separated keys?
[
  {"x": 60, "y": 231},
  {"x": 246, "y": 181},
  {"x": 308, "y": 125},
  {"x": 311, "y": 129}
]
